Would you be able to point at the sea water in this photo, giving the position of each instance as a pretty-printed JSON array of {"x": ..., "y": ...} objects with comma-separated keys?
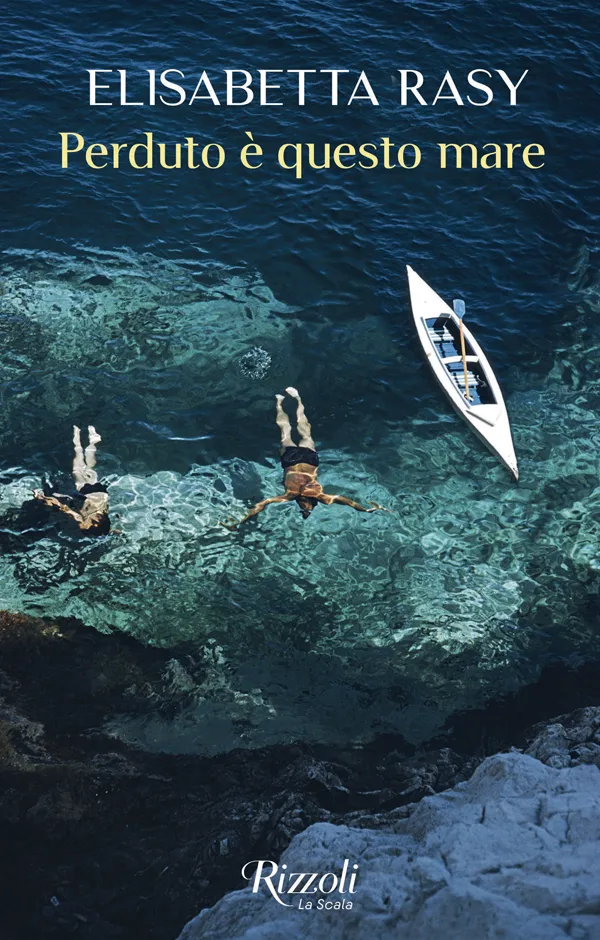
[{"x": 168, "y": 308}]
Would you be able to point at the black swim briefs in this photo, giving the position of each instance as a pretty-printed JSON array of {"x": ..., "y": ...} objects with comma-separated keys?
[
  {"x": 293, "y": 455},
  {"x": 88, "y": 488}
]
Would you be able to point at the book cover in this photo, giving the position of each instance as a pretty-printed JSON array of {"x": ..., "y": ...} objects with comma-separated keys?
[{"x": 299, "y": 489}]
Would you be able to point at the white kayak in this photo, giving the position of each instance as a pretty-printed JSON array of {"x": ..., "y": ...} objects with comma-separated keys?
[{"x": 476, "y": 396}]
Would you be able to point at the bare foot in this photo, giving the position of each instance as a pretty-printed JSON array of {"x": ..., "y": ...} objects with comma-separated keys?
[
  {"x": 292, "y": 392},
  {"x": 376, "y": 506},
  {"x": 76, "y": 435},
  {"x": 279, "y": 399},
  {"x": 93, "y": 434}
]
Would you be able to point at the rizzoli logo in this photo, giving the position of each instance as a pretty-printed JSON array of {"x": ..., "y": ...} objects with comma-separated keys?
[{"x": 282, "y": 885}]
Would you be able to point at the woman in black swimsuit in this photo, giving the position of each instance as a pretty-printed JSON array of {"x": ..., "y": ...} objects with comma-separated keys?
[
  {"x": 91, "y": 496},
  {"x": 300, "y": 467}
]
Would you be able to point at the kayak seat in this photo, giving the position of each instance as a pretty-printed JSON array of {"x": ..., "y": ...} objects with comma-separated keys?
[{"x": 441, "y": 336}]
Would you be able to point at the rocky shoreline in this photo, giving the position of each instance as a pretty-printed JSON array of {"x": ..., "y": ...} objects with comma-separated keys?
[
  {"x": 513, "y": 852},
  {"x": 102, "y": 839}
]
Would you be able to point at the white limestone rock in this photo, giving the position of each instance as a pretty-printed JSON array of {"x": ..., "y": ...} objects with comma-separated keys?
[{"x": 512, "y": 853}]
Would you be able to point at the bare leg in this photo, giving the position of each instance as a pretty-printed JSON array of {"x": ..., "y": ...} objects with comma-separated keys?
[
  {"x": 304, "y": 428},
  {"x": 79, "y": 467},
  {"x": 82, "y": 474},
  {"x": 283, "y": 423},
  {"x": 90, "y": 451}
]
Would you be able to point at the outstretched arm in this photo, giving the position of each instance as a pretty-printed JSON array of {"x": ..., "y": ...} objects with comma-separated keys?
[
  {"x": 56, "y": 503},
  {"x": 256, "y": 509},
  {"x": 328, "y": 499}
]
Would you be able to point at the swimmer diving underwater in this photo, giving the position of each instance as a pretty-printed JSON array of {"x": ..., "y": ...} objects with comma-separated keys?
[
  {"x": 90, "y": 496},
  {"x": 300, "y": 468}
]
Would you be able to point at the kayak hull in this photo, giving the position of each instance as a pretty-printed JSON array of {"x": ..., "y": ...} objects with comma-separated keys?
[{"x": 476, "y": 397}]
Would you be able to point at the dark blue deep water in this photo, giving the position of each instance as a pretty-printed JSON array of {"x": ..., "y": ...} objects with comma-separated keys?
[{"x": 132, "y": 296}]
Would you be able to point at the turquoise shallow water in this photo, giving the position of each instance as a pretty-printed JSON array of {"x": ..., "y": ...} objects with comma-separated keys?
[
  {"x": 330, "y": 630},
  {"x": 168, "y": 308}
]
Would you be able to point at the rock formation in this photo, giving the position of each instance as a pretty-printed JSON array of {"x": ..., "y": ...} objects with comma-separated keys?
[
  {"x": 129, "y": 842},
  {"x": 514, "y": 852}
]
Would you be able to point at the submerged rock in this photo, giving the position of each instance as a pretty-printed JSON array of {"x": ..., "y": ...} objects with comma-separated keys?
[
  {"x": 340, "y": 628},
  {"x": 135, "y": 842},
  {"x": 286, "y": 614},
  {"x": 144, "y": 313},
  {"x": 153, "y": 344}
]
